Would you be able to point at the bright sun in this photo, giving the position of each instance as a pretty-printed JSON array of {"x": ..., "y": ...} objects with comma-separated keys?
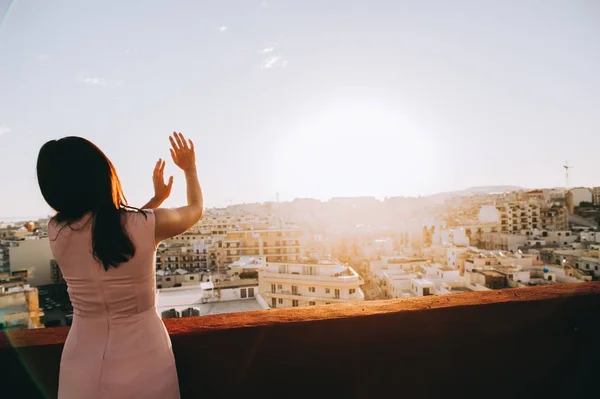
[{"x": 354, "y": 148}]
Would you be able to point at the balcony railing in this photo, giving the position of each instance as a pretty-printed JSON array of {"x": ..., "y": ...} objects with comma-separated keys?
[{"x": 375, "y": 349}]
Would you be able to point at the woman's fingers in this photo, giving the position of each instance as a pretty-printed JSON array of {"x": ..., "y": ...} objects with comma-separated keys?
[
  {"x": 156, "y": 167},
  {"x": 173, "y": 155},
  {"x": 161, "y": 171},
  {"x": 173, "y": 143},
  {"x": 191, "y": 144},
  {"x": 183, "y": 141},
  {"x": 179, "y": 142}
]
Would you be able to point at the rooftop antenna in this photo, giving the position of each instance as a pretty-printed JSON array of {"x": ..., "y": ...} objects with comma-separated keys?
[{"x": 567, "y": 167}]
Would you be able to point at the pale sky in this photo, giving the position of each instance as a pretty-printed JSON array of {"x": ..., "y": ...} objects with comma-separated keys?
[{"x": 308, "y": 98}]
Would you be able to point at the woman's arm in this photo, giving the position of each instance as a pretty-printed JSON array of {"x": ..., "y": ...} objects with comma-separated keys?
[{"x": 172, "y": 222}]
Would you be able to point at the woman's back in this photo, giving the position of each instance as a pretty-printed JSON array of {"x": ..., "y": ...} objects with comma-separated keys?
[
  {"x": 117, "y": 347},
  {"x": 114, "y": 293}
]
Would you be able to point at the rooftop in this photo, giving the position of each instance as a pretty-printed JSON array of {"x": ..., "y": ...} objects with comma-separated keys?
[
  {"x": 183, "y": 298},
  {"x": 422, "y": 281}
]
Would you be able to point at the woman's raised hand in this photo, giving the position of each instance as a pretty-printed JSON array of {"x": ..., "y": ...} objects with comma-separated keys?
[
  {"x": 182, "y": 153},
  {"x": 161, "y": 190}
]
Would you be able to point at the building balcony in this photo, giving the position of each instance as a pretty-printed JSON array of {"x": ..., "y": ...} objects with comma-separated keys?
[
  {"x": 542, "y": 339},
  {"x": 308, "y": 278},
  {"x": 287, "y": 294}
]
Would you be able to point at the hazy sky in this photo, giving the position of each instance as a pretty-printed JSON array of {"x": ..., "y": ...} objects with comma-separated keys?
[{"x": 306, "y": 98}]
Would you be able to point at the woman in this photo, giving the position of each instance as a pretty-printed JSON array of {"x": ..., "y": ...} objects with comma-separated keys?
[{"x": 118, "y": 346}]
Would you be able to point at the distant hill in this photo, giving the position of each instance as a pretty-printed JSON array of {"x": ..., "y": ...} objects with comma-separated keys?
[
  {"x": 487, "y": 190},
  {"x": 441, "y": 197}
]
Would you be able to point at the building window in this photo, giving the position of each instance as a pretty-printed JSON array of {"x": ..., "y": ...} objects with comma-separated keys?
[
  {"x": 243, "y": 293},
  {"x": 311, "y": 303},
  {"x": 273, "y": 288},
  {"x": 280, "y": 300},
  {"x": 168, "y": 279},
  {"x": 250, "y": 292},
  {"x": 327, "y": 290},
  {"x": 352, "y": 291},
  {"x": 191, "y": 277},
  {"x": 311, "y": 289},
  {"x": 273, "y": 302},
  {"x": 279, "y": 286},
  {"x": 295, "y": 303}
]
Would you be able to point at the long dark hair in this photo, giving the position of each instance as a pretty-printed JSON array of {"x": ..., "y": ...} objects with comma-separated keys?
[{"x": 76, "y": 178}]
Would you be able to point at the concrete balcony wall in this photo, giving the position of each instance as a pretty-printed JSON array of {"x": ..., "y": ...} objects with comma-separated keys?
[{"x": 516, "y": 343}]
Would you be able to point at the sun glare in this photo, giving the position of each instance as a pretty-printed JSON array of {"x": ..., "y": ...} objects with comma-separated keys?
[{"x": 354, "y": 148}]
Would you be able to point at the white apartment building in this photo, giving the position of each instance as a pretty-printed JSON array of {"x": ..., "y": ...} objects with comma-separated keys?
[
  {"x": 294, "y": 284},
  {"x": 589, "y": 263},
  {"x": 453, "y": 257},
  {"x": 35, "y": 256},
  {"x": 590, "y": 236},
  {"x": 560, "y": 238},
  {"x": 519, "y": 215},
  {"x": 455, "y": 236},
  {"x": 504, "y": 241},
  {"x": 434, "y": 280}
]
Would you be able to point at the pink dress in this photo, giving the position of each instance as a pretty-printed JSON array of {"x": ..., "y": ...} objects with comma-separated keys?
[{"x": 117, "y": 347}]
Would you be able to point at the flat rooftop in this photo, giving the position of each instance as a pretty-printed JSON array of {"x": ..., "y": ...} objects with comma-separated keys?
[
  {"x": 221, "y": 307},
  {"x": 422, "y": 281},
  {"x": 181, "y": 299}
]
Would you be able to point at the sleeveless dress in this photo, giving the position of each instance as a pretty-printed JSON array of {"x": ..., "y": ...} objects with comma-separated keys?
[{"x": 118, "y": 346}]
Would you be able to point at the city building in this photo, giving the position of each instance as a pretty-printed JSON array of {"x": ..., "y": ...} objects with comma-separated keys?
[
  {"x": 187, "y": 256},
  {"x": 581, "y": 194},
  {"x": 596, "y": 196},
  {"x": 275, "y": 244},
  {"x": 35, "y": 256},
  {"x": 308, "y": 283},
  {"x": 519, "y": 215},
  {"x": 555, "y": 217},
  {"x": 210, "y": 297},
  {"x": 503, "y": 241},
  {"x": 19, "y": 304},
  {"x": 588, "y": 263},
  {"x": 55, "y": 273},
  {"x": 4, "y": 260}
]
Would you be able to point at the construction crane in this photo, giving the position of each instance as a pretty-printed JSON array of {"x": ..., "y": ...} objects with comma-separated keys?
[{"x": 567, "y": 167}]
